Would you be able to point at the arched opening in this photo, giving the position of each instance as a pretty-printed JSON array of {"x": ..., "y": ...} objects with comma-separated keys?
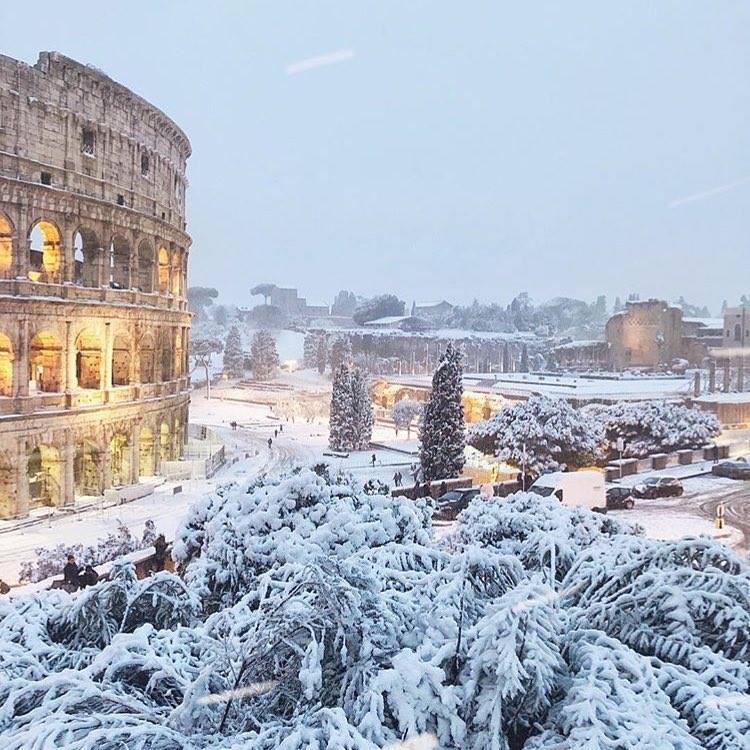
[
  {"x": 6, "y": 366},
  {"x": 165, "y": 442},
  {"x": 87, "y": 469},
  {"x": 89, "y": 361},
  {"x": 177, "y": 438},
  {"x": 86, "y": 253},
  {"x": 45, "y": 255},
  {"x": 121, "y": 360},
  {"x": 7, "y": 491},
  {"x": 165, "y": 351},
  {"x": 178, "y": 359},
  {"x": 146, "y": 453},
  {"x": 43, "y": 471},
  {"x": 6, "y": 247},
  {"x": 119, "y": 451},
  {"x": 119, "y": 263},
  {"x": 145, "y": 267},
  {"x": 45, "y": 363},
  {"x": 148, "y": 360},
  {"x": 163, "y": 270}
]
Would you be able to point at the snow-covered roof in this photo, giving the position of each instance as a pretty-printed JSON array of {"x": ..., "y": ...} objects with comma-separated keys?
[
  {"x": 706, "y": 322},
  {"x": 432, "y": 303},
  {"x": 388, "y": 320}
]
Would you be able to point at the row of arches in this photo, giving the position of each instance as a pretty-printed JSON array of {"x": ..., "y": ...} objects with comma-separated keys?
[
  {"x": 90, "y": 261},
  {"x": 157, "y": 356},
  {"x": 56, "y": 474}
]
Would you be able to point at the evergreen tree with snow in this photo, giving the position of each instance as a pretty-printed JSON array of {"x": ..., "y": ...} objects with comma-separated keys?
[
  {"x": 442, "y": 436},
  {"x": 524, "y": 367},
  {"x": 341, "y": 352},
  {"x": 342, "y": 427},
  {"x": 234, "y": 357},
  {"x": 321, "y": 354},
  {"x": 362, "y": 407},
  {"x": 263, "y": 355}
]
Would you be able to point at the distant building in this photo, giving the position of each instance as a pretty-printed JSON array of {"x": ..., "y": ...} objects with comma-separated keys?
[
  {"x": 736, "y": 327},
  {"x": 287, "y": 299},
  {"x": 430, "y": 310}
]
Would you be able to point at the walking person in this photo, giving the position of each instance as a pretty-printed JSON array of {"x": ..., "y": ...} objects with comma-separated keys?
[
  {"x": 373, "y": 459},
  {"x": 270, "y": 443},
  {"x": 71, "y": 573}
]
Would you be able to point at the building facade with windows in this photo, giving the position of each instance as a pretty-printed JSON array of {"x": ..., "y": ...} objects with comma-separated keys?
[{"x": 94, "y": 324}]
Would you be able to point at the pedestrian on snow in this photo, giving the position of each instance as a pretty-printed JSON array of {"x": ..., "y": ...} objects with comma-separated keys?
[
  {"x": 281, "y": 428},
  {"x": 395, "y": 479},
  {"x": 275, "y": 433},
  {"x": 373, "y": 459},
  {"x": 233, "y": 425},
  {"x": 270, "y": 443},
  {"x": 89, "y": 577},
  {"x": 70, "y": 572}
]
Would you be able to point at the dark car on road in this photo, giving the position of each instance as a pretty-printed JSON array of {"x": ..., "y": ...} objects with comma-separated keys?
[
  {"x": 453, "y": 502},
  {"x": 738, "y": 468},
  {"x": 619, "y": 498},
  {"x": 654, "y": 487}
]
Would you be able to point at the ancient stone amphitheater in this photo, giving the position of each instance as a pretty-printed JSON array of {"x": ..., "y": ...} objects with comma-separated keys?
[{"x": 93, "y": 261}]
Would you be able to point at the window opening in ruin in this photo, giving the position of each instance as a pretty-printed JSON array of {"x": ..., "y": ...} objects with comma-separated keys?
[
  {"x": 6, "y": 248},
  {"x": 119, "y": 452},
  {"x": 163, "y": 270},
  {"x": 147, "y": 360},
  {"x": 89, "y": 361},
  {"x": 120, "y": 199},
  {"x": 45, "y": 363},
  {"x": 119, "y": 261},
  {"x": 43, "y": 471},
  {"x": 145, "y": 267},
  {"x": 121, "y": 360},
  {"x": 87, "y": 469},
  {"x": 88, "y": 142},
  {"x": 147, "y": 453},
  {"x": 45, "y": 257},
  {"x": 45, "y": 178},
  {"x": 165, "y": 442},
  {"x": 6, "y": 366},
  {"x": 145, "y": 164}
]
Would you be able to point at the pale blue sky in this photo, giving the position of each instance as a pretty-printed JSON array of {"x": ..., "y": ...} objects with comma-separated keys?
[{"x": 466, "y": 149}]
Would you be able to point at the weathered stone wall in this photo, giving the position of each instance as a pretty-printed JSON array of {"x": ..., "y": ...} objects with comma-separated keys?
[{"x": 94, "y": 327}]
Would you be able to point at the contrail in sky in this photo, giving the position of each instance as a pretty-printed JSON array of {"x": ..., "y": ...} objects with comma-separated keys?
[
  {"x": 709, "y": 193},
  {"x": 329, "y": 58}
]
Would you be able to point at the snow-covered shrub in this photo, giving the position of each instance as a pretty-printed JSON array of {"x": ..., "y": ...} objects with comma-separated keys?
[
  {"x": 331, "y": 620},
  {"x": 51, "y": 560},
  {"x": 654, "y": 427},
  {"x": 555, "y": 435}
]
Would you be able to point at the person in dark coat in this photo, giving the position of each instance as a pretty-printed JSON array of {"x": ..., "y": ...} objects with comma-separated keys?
[
  {"x": 160, "y": 552},
  {"x": 89, "y": 577},
  {"x": 71, "y": 572}
]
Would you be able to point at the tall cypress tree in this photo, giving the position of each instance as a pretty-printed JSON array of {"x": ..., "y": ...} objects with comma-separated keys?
[
  {"x": 234, "y": 358},
  {"x": 442, "y": 435},
  {"x": 341, "y": 424}
]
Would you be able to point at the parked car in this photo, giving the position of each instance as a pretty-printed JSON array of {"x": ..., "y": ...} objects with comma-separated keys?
[
  {"x": 654, "y": 487},
  {"x": 453, "y": 502},
  {"x": 576, "y": 489},
  {"x": 619, "y": 498},
  {"x": 738, "y": 468}
]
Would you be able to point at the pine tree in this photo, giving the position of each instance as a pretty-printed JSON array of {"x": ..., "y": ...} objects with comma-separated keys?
[
  {"x": 341, "y": 352},
  {"x": 362, "y": 408},
  {"x": 263, "y": 355},
  {"x": 442, "y": 435},
  {"x": 525, "y": 358},
  {"x": 341, "y": 435},
  {"x": 506, "y": 358},
  {"x": 234, "y": 357},
  {"x": 321, "y": 356}
]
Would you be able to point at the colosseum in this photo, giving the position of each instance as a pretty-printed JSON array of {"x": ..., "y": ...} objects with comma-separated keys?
[{"x": 93, "y": 261}]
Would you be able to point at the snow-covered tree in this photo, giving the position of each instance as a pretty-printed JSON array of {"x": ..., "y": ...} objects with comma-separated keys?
[
  {"x": 654, "y": 427},
  {"x": 362, "y": 406},
  {"x": 404, "y": 413},
  {"x": 542, "y": 434},
  {"x": 264, "y": 358},
  {"x": 442, "y": 438},
  {"x": 234, "y": 357},
  {"x": 342, "y": 429},
  {"x": 202, "y": 349},
  {"x": 340, "y": 352}
]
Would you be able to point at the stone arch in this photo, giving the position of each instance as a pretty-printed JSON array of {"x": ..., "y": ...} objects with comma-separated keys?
[
  {"x": 6, "y": 247},
  {"x": 43, "y": 472},
  {"x": 89, "y": 360},
  {"x": 45, "y": 362},
  {"x": 165, "y": 442},
  {"x": 147, "y": 352},
  {"x": 146, "y": 266},
  {"x": 6, "y": 366},
  {"x": 176, "y": 273},
  {"x": 87, "y": 468},
  {"x": 146, "y": 452},
  {"x": 119, "y": 453},
  {"x": 121, "y": 359},
  {"x": 163, "y": 270},
  {"x": 45, "y": 252},
  {"x": 86, "y": 257},
  {"x": 119, "y": 263},
  {"x": 177, "y": 437},
  {"x": 177, "y": 367}
]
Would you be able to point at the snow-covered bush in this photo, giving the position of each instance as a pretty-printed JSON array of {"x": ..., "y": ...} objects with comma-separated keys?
[
  {"x": 50, "y": 561},
  {"x": 330, "y": 619},
  {"x": 654, "y": 427},
  {"x": 555, "y": 435}
]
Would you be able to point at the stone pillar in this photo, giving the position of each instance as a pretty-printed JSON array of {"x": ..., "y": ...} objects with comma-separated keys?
[
  {"x": 70, "y": 379},
  {"x": 22, "y": 481},
  {"x": 107, "y": 464},
  {"x": 102, "y": 267},
  {"x": 107, "y": 369},
  {"x": 21, "y": 360},
  {"x": 726, "y": 375},
  {"x": 135, "y": 456},
  {"x": 67, "y": 255},
  {"x": 21, "y": 257},
  {"x": 712, "y": 376}
]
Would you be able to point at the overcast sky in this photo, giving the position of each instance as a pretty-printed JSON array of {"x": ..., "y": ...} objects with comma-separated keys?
[{"x": 442, "y": 149}]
